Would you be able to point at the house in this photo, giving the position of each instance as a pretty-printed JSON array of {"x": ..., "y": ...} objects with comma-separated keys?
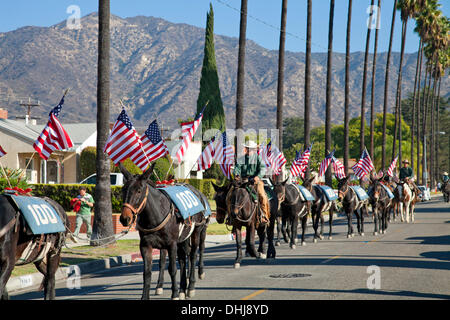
[
  {"x": 17, "y": 138},
  {"x": 188, "y": 168}
]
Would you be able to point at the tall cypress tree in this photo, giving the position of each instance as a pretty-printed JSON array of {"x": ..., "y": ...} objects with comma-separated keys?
[{"x": 214, "y": 115}]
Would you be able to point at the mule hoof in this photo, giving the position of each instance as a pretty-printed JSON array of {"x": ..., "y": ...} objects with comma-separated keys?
[
  {"x": 191, "y": 293},
  {"x": 237, "y": 265},
  {"x": 303, "y": 243},
  {"x": 202, "y": 276},
  {"x": 321, "y": 237},
  {"x": 182, "y": 296},
  {"x": 293, "y": 246},
  {"x": 315, "y": 240},
  {"x": 277, "y": 243},
  {"x": 261, "y": 255},
  {"x": 330, "y": 238},
  {"x": 176, "y": 298},
  {"x": 375, "y": 233},
  {"x": 159, "y": 291},
  {"x": 349, "y": 236},
  {"x": 361, "y": 234},
  {"x": 296, "y": 241}
]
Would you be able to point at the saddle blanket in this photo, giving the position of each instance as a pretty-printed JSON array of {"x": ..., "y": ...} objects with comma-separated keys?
[
  {"x": 329, "y": 193},
  {"x": 305, "y": 193},
  {"x": 360, "y": 192},
  {"x": 389, "y": 192},
  {"x": 40, "y": 216},
  {"x": 187, "y": 203}
]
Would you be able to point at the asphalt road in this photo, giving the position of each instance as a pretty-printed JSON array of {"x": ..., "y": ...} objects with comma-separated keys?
[{"x": 410, "y": 261}]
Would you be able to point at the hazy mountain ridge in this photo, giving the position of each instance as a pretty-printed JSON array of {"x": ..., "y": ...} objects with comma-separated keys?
[{"x": 156, "y": 66}]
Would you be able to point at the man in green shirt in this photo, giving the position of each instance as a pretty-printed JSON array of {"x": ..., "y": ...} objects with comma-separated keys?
[
  {"x": 251, "y": 166},
  {"x": 407, "y": 174},
  {"x": 84, "y": 214}
]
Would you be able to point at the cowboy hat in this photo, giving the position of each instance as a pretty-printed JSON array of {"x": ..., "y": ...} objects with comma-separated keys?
[
  {"x": 251, "y": 144},
  {"x": 405, "y": 161},
  {"x": 445, "y": 173}
]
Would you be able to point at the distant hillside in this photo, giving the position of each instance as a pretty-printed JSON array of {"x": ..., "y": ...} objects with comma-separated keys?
[{"x": 155, "y": 68}]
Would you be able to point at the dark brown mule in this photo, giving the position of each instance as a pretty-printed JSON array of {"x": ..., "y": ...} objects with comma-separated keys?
[
  {"x": 159, "y": 227},
  {"x": 292, "y": 209},
  {"x": 14, "y": 240},
  {"x": 243, "y": 212},
  {"x": 381, "y": 205}
]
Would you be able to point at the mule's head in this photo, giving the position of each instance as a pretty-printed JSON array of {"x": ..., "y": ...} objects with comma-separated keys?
[
  {"x": 342, "y": 188},
  {"x": 134, "y": 194},
  {"x": 238, "y": 199},
  {"x": 221, "y": 201},
  {"x": 376, "y": 189},
  {"x": 279, "y": 189}
]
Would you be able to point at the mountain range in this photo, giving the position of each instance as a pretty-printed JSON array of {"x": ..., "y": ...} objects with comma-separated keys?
[{"x": 156, "y": 67}]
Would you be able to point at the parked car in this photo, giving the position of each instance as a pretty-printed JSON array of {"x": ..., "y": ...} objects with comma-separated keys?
[
  {"x": 115, "y": 178},
  {"x": 425, "y": 195}
]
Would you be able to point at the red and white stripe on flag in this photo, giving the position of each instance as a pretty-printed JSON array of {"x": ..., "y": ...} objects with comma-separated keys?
[
  {"x": 364, "y": 165},
  {"x": 188, "y": 132},
  {"x": 124, "y": 141},
  {"x": 391, "y": 168},
  {"x": 2, "y": 152},
  {"x": 325, "y": 163},
  {"x": 339, "y": 169},
  {"x": 52, "y": 138},
  {"x": 207, "y": 157},
  {"x": 224, "y": 155}
]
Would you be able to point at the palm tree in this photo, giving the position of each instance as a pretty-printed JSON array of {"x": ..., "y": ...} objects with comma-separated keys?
[
  {"x": 241, "y": 71},
  {"x": 308, "y": 80},
  {"x": 347, "y": 89},
  {"x": 386, "y": 89},
  {"x": 372, "y": 93},
  {"x": 102, "y": 226},
  {"x": 364, "y": 82},
  {"x": 328, "y": 178},
  {"x": 280, "y": 88}
]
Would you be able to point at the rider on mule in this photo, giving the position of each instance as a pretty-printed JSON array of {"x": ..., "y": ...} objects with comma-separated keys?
[
  {"x": 407, "y": 174},
  {"x": 251, "y": 166},
  {"x": 445, "y": 177}
]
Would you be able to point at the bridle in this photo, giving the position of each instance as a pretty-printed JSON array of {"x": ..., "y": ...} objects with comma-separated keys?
[
  {"x": 343, "y": 193},
  {"x": 141, "y": 206}
]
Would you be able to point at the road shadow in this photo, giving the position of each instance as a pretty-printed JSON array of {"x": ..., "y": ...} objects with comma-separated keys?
[{"x": 440, "y": 240}]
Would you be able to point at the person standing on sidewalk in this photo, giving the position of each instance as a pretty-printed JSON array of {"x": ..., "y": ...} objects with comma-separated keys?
[{"x": 84, "y": 214}]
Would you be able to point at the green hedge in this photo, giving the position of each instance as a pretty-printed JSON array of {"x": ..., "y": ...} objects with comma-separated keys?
[{"x": 63, "y": 193}]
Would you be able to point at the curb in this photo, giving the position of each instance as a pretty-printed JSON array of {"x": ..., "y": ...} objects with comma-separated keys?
[{"x": 65, "y": 273}]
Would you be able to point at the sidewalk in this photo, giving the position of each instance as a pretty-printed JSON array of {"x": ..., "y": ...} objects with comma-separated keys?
[{"x": 34, "y": 280}]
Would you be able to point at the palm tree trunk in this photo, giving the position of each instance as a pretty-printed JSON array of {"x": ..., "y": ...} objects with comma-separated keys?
[
  {"x": 241, "y": 71},
  {"x": 424, "y": 128},
  {"x": 438, "y": 130},
  {"x": 347, "y": 88},
  {"x": 399, "y": 90},
  {"x": 413, "y": 115},
  {"x": 420, "y": 53},
  {"x": 328, "y": 178},
  {"x": 364, "y": 84},
  {"x": 386, "y": 89},
  {"x": 372, "y": 93},
  {"x": 280, "y": 89},
  {"x": 307, "y": 127},
  {"x": 102, "y": 226},
  {"x": 432, "y": 133}
]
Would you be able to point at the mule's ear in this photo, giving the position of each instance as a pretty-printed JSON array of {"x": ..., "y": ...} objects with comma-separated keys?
[
  {"x": 285, "y": 181},
  {"x": 125, "y": 172},
  {"x": 271, "y": 181},
  {"x": 148, "y": 172},
  {"x": 215, "y": 186}
]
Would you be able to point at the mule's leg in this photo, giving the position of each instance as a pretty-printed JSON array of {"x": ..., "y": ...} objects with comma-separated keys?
[
  {"x": 162, "y": 266},
  {"x": 349, "y": 223},
  {"x": 375, "y": 219},
  {"x": 262, "y": 238},
  {"x": 147, "y": 258},
  {"x": 304, "y": 222},
  {"x": 315, "y": 221},
  {"x": 271, "y": 252},
  {"x": 201, "y": 272},
  {"x": 294, "y": 226},
  {"x": 362, "y": 212},
  {"x": 330, "y": 222},
  {"x": 195, "y": 240},
  {"x": 6, "y": 268},
  {"x": 172, "y": 252},
  {"x": 182, "y": 254},
  {"x": 400, "y": 209},
  {"x": 49, "y": 269},
  {"x": 279, "y": 226},
  {"x": 322, "y": 224},
  {"x": 250, "y": 241},
  {"x": 238, "y": 233}
]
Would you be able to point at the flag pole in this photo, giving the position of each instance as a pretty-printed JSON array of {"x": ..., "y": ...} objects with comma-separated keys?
[{"x": 6, "y": 177}]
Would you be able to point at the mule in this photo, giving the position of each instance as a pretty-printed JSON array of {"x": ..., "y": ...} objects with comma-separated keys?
[
  {"x": 405, "y": 197},
  {"x": 243, "y": 213},
  {"x": 381, "y": 204},
  {"x": 292, "y": 210},
  {"x": 445, "y": 189},
  {"x": 159, "y": 227},
  {"x": 352, "y": 205},
  {"x": 318, "y": 207},
  {"x": 16, "y": 246}
]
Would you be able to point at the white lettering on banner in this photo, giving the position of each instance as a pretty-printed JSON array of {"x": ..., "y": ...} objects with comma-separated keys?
[
  {"x": 187, "y": 199},
  {"x": 50, "y": 213},
  {"x": 192, "y": 197},
  {"x": 42, "y": 214},
  {"x": 179, "y": 196}
]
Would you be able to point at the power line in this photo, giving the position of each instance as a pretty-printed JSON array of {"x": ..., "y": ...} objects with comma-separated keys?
[{"x": 271, "y": 25}]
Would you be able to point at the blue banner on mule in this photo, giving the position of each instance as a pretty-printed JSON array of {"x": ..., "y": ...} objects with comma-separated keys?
[
  {"x": 305, "y": 192},
  {"x": 389, "y": 192},
  {"x": 187, "y": 203},
  {"x": 329, "y": 193},
  {"x": 40, "y": 216},
  {"x": 360, "y": 192}
]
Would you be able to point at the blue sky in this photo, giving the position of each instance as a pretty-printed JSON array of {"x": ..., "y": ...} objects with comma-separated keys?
[{"x": 263, "y": 23}]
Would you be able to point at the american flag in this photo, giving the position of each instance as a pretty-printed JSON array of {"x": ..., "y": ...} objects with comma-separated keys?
[
  {"x": 124, "y": 141},
  {"x": 364, "y": 165},
  {"x": 188, "y": 132},
  {"x": 339, "y": 169},
  {"x": 207, "y": 157},
  {"x": 2, "y": 152},
  {"x": 224, "y": 155},
  {"x": 53, "y": 137},
  {"x": 153, "y": 145},
  {"x": 391, "y": 168},
  {"x": 273, "y": 158},
  {"x": 301, "y": 163},
  {"x": 325, "y": 163}
]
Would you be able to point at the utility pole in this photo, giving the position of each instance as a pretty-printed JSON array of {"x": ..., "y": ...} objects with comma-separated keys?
[{"x": 29, "y": 105}]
